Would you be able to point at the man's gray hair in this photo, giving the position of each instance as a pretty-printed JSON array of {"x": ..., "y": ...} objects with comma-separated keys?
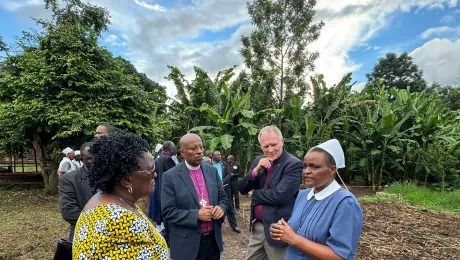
[
  {"x": 168, "y": 146},
  {"x": 270, "y": 128}
]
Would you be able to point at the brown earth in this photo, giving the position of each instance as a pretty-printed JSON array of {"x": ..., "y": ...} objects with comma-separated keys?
[
  {"x": 30, "y": 223},
  {"x": 390, "y": 231}
]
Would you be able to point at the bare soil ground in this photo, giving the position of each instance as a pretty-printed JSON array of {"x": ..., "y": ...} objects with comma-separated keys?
[
  {"x": 391, "y": 231},
  {"x": 30, "y": 223}
]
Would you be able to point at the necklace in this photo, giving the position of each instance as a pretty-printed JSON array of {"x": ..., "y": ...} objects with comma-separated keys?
[
  {"x": 203, "y": 202},
  {"x": 134, "y": 210}
]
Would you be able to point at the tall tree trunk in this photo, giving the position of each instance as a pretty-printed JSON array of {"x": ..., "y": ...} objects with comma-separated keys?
[
  {"x": 280, "y": 106},
  {"x": 48, "y": 166},
  {"x": 443, "y": 178}
]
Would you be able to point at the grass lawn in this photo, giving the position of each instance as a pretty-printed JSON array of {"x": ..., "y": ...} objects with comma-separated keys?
[
  {"x": 30, "y": 223},
  {"x": 27, "y": 168}
]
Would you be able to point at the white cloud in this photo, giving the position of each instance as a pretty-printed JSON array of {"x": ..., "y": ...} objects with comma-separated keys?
[
  {"x": 350, "y": 24},
  {"x": 15, "y": 5},
  {"x": 439, "y": 31},
  {"x": 170, "y": 37},
  {"x": 448, "y": 19},
  {"x": 114, "y": 40},
  {"x": 358, "y": 87},
  {"x": 440, "y": 60},
  {"x": 453, "y": 3},
  {"x": 436, "y": 6},
  {"x": 154, "y": 7}
]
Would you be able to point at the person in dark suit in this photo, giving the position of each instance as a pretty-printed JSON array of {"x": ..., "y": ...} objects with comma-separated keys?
[
  {"x": 274, "y": 181},
  {"x": 193, "y": 203},
  {"x": 224, "y": 171},
  {"x": 74, "y": 189},
  {"x": 162, "y": 165},
  {"x": 236, "y": 170}
]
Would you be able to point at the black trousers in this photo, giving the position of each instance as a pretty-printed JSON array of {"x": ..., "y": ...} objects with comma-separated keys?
[
  {"x": 208, "y": 248},
  {"x": 235, "y": 193},
  {"x": 231, "y": 216}
]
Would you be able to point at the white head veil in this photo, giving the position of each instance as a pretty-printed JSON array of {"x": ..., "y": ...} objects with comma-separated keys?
[{"x": 334, "y": 148}]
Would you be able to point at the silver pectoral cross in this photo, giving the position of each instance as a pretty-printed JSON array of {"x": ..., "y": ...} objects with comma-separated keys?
[{"x": 203, "y": 202}]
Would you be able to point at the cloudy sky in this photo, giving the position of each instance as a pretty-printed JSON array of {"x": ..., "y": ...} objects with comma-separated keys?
[{"x": 206, "y": 33}]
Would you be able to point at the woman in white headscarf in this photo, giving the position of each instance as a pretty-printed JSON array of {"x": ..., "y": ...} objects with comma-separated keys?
[{"x": 327, "y": 220}]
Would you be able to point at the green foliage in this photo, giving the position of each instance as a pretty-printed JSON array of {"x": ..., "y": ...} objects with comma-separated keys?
[
  {"x": 224, "y": 119},
  {"x": 449, "y": 94},
  {"x": 3, "y": 46},
  {"x": 58, "y": 89},
  {"x": 387, "y": 134},
  {"x": 426, "y": 197},
  {"x": 398, "y": 72},
  {"x": 276, "y": 51}
]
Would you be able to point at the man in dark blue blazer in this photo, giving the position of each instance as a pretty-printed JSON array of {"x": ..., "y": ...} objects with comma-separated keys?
[
  {"x": 274, "y": 181},
  {"x": 193, "y": 202}
]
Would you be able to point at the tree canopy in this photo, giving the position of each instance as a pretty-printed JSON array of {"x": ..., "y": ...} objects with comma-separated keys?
[
  {"x": 398, "y": 72},
  {"x": 62, "y": 85},
  {"x": 276, "y": 51}
]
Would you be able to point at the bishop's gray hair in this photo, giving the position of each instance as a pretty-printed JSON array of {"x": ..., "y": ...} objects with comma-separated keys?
[{"x": 269, "y": 129}]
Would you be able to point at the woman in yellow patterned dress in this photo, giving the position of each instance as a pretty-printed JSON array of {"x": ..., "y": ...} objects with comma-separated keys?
[{"x": 111, "y": 226}]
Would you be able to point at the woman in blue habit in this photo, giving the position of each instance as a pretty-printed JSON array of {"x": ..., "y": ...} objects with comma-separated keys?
[{"x": 327, "y": 220}]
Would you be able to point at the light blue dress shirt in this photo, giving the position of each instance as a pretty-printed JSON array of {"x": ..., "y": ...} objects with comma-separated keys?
[
  {"x": 219, "y": 168},
  {"x": 333, "y": 218}
]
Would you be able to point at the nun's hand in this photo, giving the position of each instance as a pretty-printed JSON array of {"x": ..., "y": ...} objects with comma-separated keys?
[
  {"x": 287, "y": 235},
  {"x": 276, "y": 231}
]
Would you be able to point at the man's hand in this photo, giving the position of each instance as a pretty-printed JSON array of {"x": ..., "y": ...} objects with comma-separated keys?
[
  {"x": 264, "y": 163},
  {"x": 205, "y": 213},
  {"x": 217, "y": 212}
]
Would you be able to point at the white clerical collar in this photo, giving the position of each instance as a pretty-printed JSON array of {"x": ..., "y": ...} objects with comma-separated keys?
[
  {"x": 193, "y": 168},
  {"x": 333, "y": 187}
]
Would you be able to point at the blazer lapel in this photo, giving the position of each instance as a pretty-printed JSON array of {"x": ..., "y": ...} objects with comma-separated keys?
[
  {"x": 185, "y": 175},
  {"x": 275, "y": 169},
  {"x": 83, "y": 181},
  {"x": 209, "y": 183}
]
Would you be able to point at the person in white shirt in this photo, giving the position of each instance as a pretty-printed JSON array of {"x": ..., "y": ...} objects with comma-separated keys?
[
  {"x": 66, "y": 164},
  {"x": 76, "y": 161}
]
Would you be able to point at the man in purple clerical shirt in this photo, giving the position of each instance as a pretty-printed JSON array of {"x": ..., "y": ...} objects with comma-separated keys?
[
  {"x": 193, "y": 203},
  {"x": 274, "y": 180}
]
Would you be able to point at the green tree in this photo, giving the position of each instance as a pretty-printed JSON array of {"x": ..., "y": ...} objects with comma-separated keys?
[
  {"x": 398, "y": 72},
  {"x": 219, "y": 111},
  {"x": 449, "y": 94},
  {"x": 62, "y": 85},
  {"x": 276, "y": 51},
  {"x": 3, "y": 46}
]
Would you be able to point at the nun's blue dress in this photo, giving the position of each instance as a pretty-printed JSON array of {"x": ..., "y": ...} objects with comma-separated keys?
[{"x": 331, "y": 217}]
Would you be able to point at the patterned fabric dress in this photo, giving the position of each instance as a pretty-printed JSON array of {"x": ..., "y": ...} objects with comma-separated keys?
[{"x": 111, "y": 231}]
